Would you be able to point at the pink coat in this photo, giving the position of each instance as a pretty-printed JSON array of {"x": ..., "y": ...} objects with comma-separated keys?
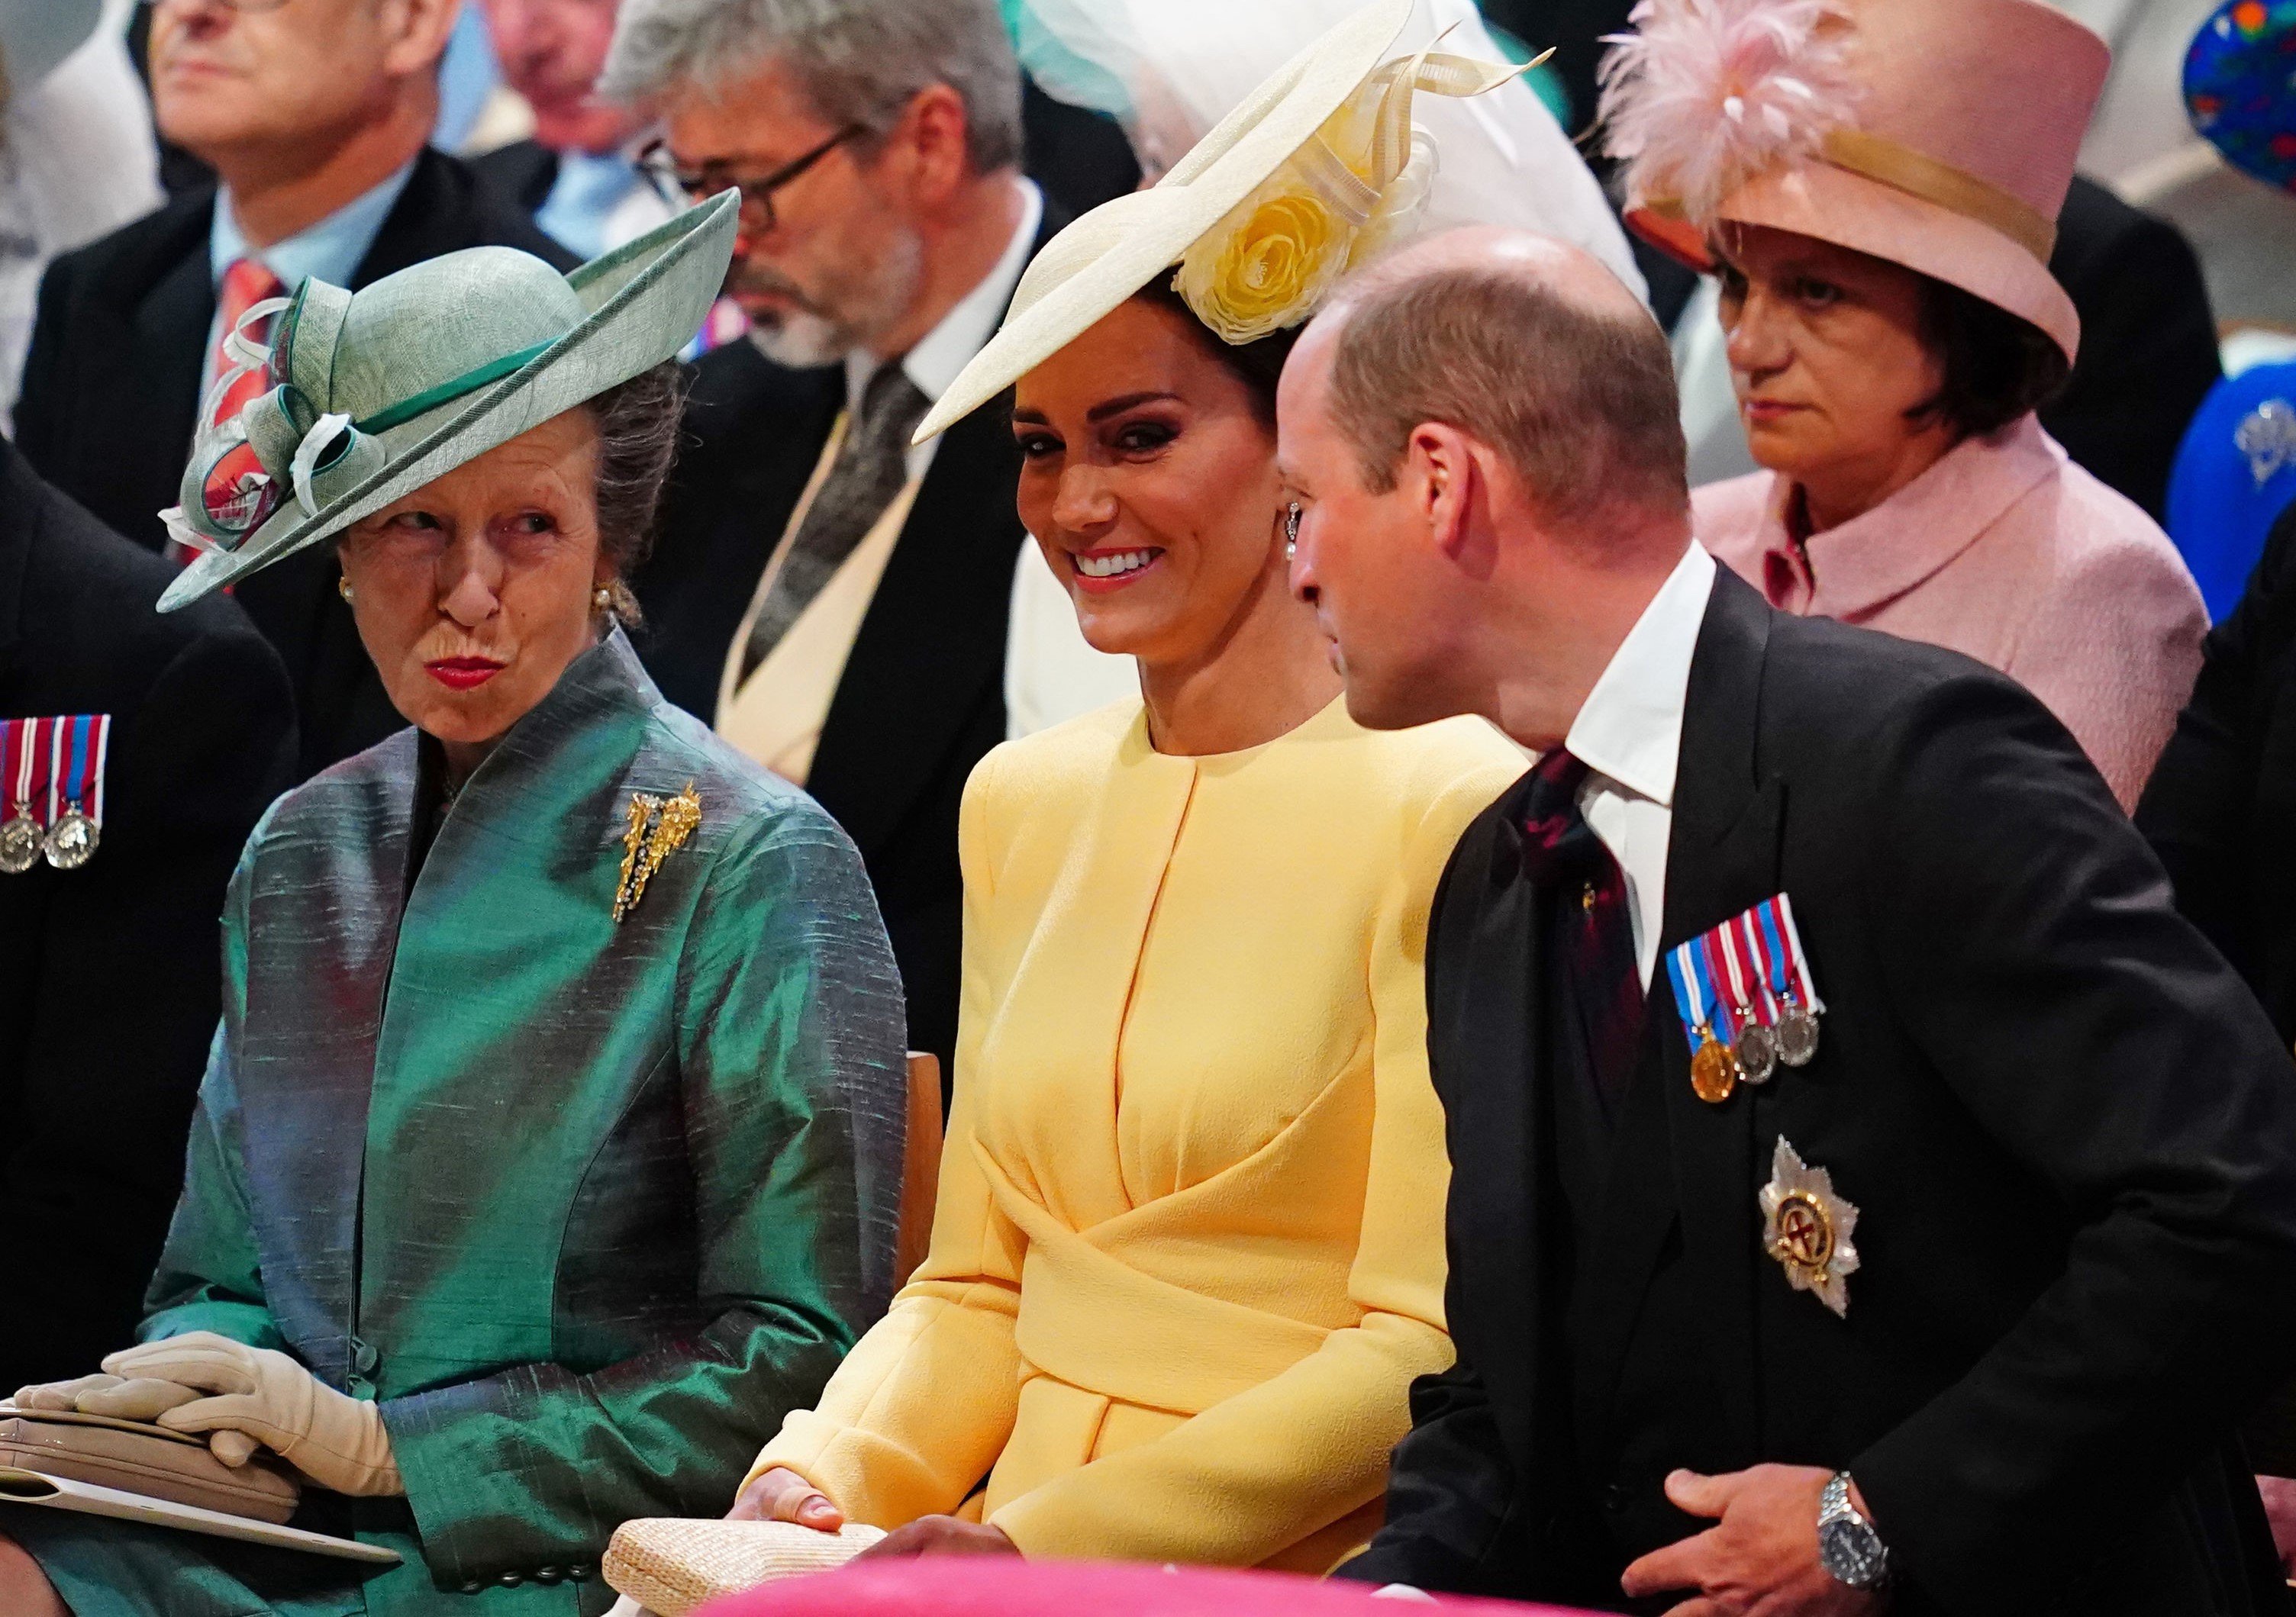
[{"x": 2008, "y": 553}]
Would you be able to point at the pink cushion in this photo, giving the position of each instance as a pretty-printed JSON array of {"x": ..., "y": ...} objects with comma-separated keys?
[{"x": 1005, "y": 1585}]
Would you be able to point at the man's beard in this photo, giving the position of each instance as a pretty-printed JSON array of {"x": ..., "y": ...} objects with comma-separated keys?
[{"x": 869, "y": 298}]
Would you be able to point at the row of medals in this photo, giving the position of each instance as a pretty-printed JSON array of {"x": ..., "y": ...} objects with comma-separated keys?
[
  {"x": 66, "y": 845},
  {"x": 1716, "y": 1068}
]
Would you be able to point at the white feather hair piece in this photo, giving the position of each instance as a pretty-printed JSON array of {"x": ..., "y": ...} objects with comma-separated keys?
[{"x": 1705, "y": 95}]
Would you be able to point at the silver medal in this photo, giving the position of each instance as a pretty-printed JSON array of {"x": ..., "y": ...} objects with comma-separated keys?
[
  {"x": 21, "y": 842},
  {"x": 1756, "y": 1051},
  {"x": 1797, "y": 1036},
  {"x": 72, "y": 840}
]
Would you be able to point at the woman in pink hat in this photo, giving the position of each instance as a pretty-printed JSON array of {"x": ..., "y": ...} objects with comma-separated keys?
[{"x": 1877, "y": 186}]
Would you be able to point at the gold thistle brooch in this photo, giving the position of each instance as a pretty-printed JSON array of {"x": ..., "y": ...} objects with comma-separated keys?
[{"x": 659, "y": 826}]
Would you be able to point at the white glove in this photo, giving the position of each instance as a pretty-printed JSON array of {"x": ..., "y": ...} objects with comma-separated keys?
[
  {"x": 335, "y": 1439},
  {"x": 144, "y": 1400}
]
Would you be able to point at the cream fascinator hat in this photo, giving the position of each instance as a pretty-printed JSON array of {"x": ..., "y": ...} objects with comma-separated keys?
[
  {"x": 376, "y": 393},
  {"x": 1317, "y": 170},
  {"x": 1938, "y": 134}
]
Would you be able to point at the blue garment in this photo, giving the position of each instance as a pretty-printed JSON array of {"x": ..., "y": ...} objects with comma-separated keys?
[
  {"x": 330, "y": 250},
  {"x": 2234, "y": 474},
  {"x": 590, "y": 186}
]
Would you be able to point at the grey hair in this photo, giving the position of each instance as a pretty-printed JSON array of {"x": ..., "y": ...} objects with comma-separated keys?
[
  {"x": 637, "y": 423},
  {"x": 858, "y": 61}
]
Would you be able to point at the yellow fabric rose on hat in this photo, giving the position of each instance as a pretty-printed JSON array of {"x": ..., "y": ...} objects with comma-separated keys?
[{"x": 1268, "y": 265}]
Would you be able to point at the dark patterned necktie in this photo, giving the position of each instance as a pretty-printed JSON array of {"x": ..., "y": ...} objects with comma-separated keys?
[
  {"x": 871, "y": 465},
  {"x": 1592, "y": 931}
]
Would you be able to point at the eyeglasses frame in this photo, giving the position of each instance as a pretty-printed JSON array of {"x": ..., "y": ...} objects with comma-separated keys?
[{"x": 660, "y": 167}]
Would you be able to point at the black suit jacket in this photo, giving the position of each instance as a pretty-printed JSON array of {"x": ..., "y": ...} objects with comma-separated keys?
[
  {"x": 2148, "y": 348},
  {"x": 922, "y": 695},
  {"x": 110, "y": 974},
  {"x": 112, "y": 387},
  {"x": 2223, "y": 797},
  {"x": 2071, "y": 1134}
]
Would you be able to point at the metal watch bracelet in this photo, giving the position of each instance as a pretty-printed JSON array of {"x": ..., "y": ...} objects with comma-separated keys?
[{"x": 1848, "y": 1547}]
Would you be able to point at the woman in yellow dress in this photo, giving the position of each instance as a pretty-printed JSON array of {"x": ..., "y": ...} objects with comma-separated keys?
[{"x": 1188, "y": 1253}]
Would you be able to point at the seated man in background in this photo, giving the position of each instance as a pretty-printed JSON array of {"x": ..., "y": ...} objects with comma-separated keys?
[
  {"x": 314, "y": 116},
  {"x": 837, "y": 602},
  {"x": 1843, "y": 1206},
  {"x": 576, "y": 174}
]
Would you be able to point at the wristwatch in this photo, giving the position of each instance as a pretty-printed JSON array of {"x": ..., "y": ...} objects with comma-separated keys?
[{"x": 1848, "y": 1547}]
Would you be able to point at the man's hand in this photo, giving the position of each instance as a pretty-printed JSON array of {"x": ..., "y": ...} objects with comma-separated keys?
[
  {"x": 941, "y": 1536},
  {"x": 781, "y": 1495},
  {"x": 1760, "y": 1559}
]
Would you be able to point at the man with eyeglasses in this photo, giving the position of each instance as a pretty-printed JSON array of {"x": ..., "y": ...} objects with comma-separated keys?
[
  {"x": 862, "y": 617},
  {"x": 315, "y": 115}
]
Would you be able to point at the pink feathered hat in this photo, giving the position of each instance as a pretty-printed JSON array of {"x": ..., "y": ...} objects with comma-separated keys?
[{"x": 1935, "y": 133}]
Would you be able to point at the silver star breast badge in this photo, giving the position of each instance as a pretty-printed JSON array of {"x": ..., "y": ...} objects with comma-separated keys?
[{"x": 1806, "y": 1228}]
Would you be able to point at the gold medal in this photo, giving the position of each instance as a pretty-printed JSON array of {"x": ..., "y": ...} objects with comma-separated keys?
[
  {"x": 1806, "y": 1228},
  {"x": 22, "y": 842},
  {"x": 657, "y": 827},
  {"x": 71, "y": 842},
  {"x": 1713, "y": 1069}
]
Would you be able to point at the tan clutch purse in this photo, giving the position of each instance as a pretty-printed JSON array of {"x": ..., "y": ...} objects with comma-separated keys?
[
  {"x": 670, "y": 1564},
  {"x": 136, "y": 1457}
]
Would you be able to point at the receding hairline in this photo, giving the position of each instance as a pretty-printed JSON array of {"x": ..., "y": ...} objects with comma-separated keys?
[
  {"x": 1527, "y": 345},
  {"x": 1486, "y": 253}
]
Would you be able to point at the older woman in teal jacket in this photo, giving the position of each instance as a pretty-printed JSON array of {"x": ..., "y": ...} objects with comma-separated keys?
[{"x": 548, "y": 1151}]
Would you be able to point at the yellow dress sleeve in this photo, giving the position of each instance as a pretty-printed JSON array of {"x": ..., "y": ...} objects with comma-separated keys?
[
  {"x": 1258, "y": 1472},
  {"x": 920, "y": 1408}
]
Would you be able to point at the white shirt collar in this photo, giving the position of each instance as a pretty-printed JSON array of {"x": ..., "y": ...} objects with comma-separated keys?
[
  {"x": 1630, "y": 727},
  {"x": 933, "y": 364}
]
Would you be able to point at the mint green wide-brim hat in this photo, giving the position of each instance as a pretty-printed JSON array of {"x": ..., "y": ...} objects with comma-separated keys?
[{"x": 373, "y": 395}]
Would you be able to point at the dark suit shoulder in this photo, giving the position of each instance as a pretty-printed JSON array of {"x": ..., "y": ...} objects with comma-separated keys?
[
  {"x": 2095, "y": 227},
  {"x": 524, "y": 171},
  {"x": 445, "y": 207},
  {"x": 123, "y": 264},
  {"x": 1865, "y": 675},
  {"x": 88, "y": 598},
  {"x": 738, "y": 391}
]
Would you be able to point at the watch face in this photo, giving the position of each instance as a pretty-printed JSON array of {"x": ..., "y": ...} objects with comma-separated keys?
[{"x": 1852, "y": 1552}]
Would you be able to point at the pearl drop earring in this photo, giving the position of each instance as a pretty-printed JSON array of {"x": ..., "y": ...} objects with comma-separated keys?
[{"x": 343, "y": 587}]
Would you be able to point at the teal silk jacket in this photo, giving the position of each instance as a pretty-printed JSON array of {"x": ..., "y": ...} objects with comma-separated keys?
[{"x": 587, "y": 1206}]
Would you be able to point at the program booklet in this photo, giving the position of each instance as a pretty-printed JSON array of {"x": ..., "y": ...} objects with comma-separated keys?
[{"x": 37, "y": 1488}]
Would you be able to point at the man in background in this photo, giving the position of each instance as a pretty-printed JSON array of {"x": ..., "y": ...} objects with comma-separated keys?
[
  {"x": 838, "y": 603},
  {"x": 576, "y": 174},
  {"x": 315, "y": 115}
]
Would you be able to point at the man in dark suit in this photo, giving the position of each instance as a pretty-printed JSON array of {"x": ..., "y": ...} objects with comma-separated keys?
[
  {"x": 2148, "y": 348},
  {"x": 836, "y": 602},
  {"x": 314, "y": 116},
  {"x": 1947, "y": 1286},
  {"x": 109, "y": 972}
]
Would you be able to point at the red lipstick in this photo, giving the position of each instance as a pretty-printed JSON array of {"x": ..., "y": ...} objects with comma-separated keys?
[{"x": 464, "y": 672}]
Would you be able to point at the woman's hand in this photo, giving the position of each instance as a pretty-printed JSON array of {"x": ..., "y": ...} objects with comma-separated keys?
[
  {"x": 337, "y": 1441},
  {"x": 141, "y": 1399},
  {"x": 780, "y": 1495},
  {"x": 941, "y": 1536}
]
